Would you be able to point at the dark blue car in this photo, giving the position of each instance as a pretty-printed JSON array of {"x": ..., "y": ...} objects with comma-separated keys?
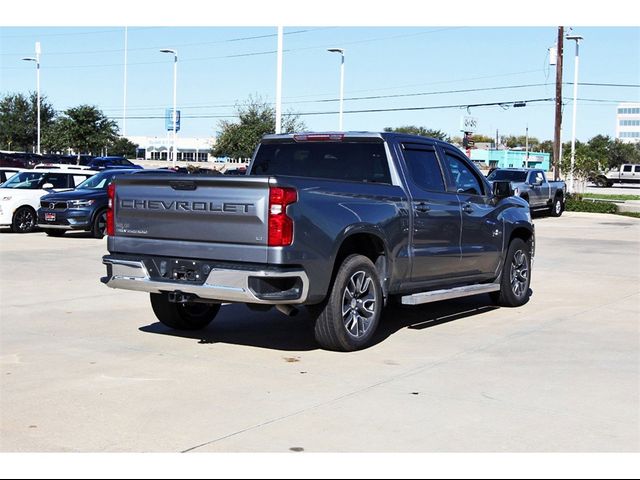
[
  {"x": 102, "y": 163},
  {"x": 84, "y": 208}
]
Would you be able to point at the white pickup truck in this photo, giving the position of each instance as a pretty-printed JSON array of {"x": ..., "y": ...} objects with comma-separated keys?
[{"x": 627, "y": 173}]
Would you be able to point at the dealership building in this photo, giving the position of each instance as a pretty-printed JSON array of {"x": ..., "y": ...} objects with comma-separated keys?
[{"x": 189, "y": 149}]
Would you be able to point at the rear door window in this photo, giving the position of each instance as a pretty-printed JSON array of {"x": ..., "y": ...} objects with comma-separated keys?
[
  {"x": 59, "y": 180},
  {"x": 424, "y": 168}
]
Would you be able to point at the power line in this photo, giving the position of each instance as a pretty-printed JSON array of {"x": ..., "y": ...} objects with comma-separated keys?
[
  {"x": 246, "y": 54},
  {"x": 181, "y": 45},
  {"x": 373, "y": 110},
  {"x": 378, "y": 97}
]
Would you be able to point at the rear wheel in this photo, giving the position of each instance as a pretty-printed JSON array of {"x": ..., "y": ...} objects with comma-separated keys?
[
  {"x": 183, "y": 316},
  {"x": 54, "y": 232},
  {"x": 516, "y": 276},
  {"x": 24, "y": 220},
  {"x": 557, "y": 207},
  {"x": 349, "y": 317}
]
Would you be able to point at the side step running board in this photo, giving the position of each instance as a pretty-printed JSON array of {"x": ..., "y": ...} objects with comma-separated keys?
[{"x": 446, "y": 294}]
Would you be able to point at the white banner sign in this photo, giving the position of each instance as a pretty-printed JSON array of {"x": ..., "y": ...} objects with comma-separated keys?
[{"x": 468, "y": 124}]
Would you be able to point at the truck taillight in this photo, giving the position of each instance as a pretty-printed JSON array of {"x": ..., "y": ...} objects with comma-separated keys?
[
  {"x": 280, "y": 225},
  {"x": 111, "y": 192}
]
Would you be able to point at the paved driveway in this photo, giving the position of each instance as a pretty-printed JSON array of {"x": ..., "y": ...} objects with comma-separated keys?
[{"x": 84, "y": 368}]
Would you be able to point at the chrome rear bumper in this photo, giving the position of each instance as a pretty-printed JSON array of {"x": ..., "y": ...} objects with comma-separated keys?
[{"x": 221, "y": 284}]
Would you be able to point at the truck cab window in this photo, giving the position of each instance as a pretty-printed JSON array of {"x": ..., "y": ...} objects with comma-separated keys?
[{"x": 464, "y": 180}]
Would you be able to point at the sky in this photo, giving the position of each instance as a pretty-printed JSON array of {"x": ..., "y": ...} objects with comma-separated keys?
[{"x": 405, "y": 63}]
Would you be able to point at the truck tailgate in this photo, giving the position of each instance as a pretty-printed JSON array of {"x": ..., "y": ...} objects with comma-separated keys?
[{"x": 206, "y": 213}]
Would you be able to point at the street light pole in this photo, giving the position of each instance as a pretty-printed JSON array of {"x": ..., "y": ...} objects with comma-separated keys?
[
  {"x": 341, "y": 52},
  {"x": 175, "y": 83},
  {"x": 577, "y": 38},
  {"x": 37, "y": 60}
]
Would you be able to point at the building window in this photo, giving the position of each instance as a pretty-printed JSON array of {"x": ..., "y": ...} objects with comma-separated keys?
[
  {"x": 629, "y": 134},
  {"x": 202, "y": 157},
  {"x": 155, "y": 155},
  {"x": 187, "y": 156},
  {"x": 163, "y": 155},
  {"x": 629, "y": 111},
  {"x": 630, "y": 123}
]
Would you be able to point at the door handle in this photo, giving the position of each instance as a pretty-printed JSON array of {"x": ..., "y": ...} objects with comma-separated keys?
[
  {"x": 467, "y": 208},
  {"x": 422, "y": 207}
]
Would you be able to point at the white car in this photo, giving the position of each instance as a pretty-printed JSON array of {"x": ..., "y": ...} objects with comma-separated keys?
[
  {"x": 7, "y": 172},
  {"x": 20, "y": 195}
]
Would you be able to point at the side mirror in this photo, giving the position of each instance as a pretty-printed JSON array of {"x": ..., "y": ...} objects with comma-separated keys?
[
  {"x": 502, "y": 189},
  {"x": 47, "y": 186}
]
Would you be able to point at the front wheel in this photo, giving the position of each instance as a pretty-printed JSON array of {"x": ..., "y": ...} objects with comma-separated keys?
[
  {"x": 183, "y": 316},
  {"x": 99, "y": 225},
  {"x": 557, "y": 207},
  {"x": 516, "y": 276},
  {"x": 350, "y": 315},
  {"x": 24, "y": 220}
]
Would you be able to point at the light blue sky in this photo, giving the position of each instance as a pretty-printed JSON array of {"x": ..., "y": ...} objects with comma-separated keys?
[{"x": 402, "y": 67}]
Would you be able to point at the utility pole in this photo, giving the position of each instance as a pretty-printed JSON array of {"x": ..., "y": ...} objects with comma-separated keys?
[{"x": 557, "y": 139}]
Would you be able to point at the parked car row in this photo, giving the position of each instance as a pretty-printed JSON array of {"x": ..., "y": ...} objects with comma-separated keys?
[
  {"x": 85, "y": 207},
  {"x": 20, "y": 194}
]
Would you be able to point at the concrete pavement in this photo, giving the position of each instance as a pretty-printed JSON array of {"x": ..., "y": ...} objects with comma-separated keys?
[{"x": 84, "y": 368}]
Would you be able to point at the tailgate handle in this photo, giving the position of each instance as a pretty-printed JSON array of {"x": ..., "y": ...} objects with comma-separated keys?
[{"x": 183, "y": 184}]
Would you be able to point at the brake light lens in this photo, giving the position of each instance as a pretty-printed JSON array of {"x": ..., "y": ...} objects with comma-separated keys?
[
  {"x": 111, "y": 192},
  {"x": 319, "y": 137},
  {"x": 280, "y": 225}
]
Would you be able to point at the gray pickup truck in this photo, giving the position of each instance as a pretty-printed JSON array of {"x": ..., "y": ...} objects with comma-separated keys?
[
  {"x": 532, "y": 185},
  {"x": 337, "y": 222}
]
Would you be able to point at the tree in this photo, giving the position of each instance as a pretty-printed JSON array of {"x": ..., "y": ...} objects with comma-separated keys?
[
  {"x": 584, "y": 165},
  {"x": 19, "y": 121},
  {"x": 256, "y": 118},
  {"x": 87, "y": 130},
  {"x": 123, "y": 147},
  {"x": 422, "y": 131},
  {"x": 55, "y": 138},
  {"x": 620, "y": 152},
  {"x": 512, "y": 141}
]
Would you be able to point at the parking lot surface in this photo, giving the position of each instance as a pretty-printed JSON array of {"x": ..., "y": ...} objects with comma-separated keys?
[{"x": 84, "y": 368}]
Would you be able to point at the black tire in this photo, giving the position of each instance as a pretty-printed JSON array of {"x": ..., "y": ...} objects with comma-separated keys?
[
  {"x": 183, "y": 316},
  {"x": 99, "y": 225},
  {"x": 516, "y": 276},
  {"x": 609, "y": 184},
  {"x": 348, "y": 318},
  {"x": 24, "y": 220},
  {"x": 557, "y": 207},
  {"x": 54, "y": 232},
  {"x": 601, "y": 182}
]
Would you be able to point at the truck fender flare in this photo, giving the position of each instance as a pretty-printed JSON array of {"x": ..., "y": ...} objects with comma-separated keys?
[{"x": 349, "y": 242}]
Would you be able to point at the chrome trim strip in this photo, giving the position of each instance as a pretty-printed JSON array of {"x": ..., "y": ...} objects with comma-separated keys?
[
  {"x": 225, "y": 285},
  {"x": 59, "y": 227},
  {"x": 446, "y": 294}
]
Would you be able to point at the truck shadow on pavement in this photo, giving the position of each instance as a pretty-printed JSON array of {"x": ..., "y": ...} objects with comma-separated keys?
[{"x": 237, "y": 325}]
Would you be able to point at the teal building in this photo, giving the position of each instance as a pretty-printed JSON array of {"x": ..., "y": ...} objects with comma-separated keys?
[{"x": 510, "y": 159}]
